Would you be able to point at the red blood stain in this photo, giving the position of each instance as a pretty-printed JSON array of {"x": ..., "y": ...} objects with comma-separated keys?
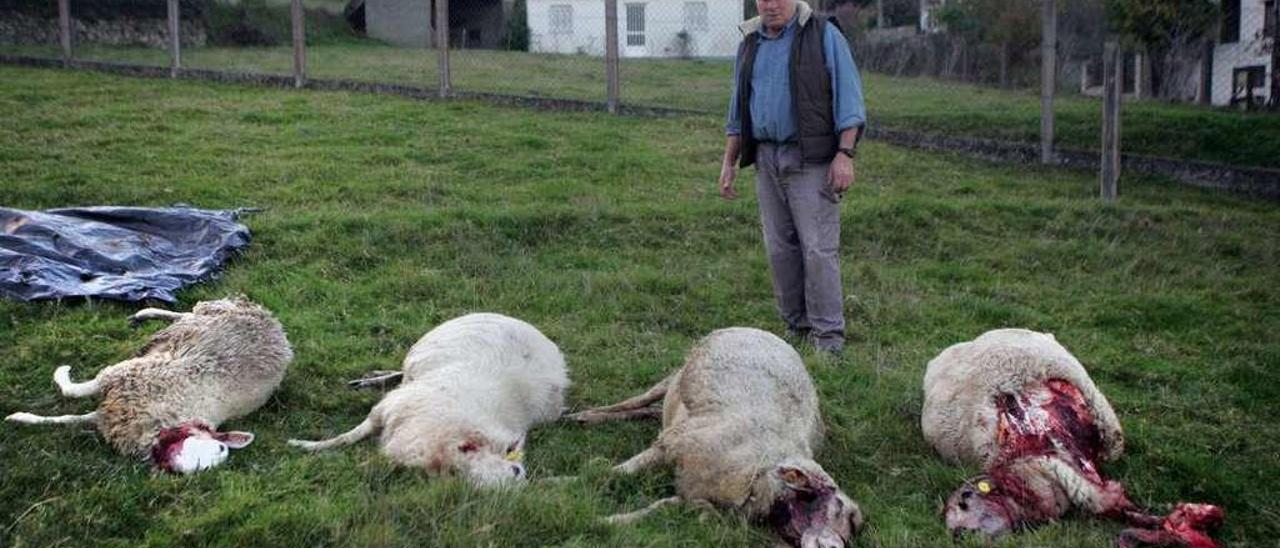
[
  {"x": 169, "y": 442},
  {"x": 1053, "y": 420}
]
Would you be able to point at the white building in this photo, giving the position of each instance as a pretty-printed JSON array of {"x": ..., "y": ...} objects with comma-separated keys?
[
  {"x": 1242, "y": 59},
  {"x": 651, "y": 28}
]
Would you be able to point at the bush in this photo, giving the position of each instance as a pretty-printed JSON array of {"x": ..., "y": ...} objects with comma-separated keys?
[
  {"x": 248, "y": 23},
  {"x": 517, "y": 32},
  {"x": 256, "y": 23},
  {"x": 107, "y": 9}
]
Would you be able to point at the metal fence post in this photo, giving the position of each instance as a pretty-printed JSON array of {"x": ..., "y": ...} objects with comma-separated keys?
[
  {"x": 442, "y": 46},
  {"x": 296, "y": 16},
  {"x": 1112, "y": 76},
  {"x": 175, "y": 48},
  {"x": 1048, "y": 77},
  {"x": 611, "y": 54},
  {"x": 64, "y": 29}
]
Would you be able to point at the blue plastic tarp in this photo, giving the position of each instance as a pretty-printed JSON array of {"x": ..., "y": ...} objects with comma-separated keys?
[{"x": 120, "y": 253}]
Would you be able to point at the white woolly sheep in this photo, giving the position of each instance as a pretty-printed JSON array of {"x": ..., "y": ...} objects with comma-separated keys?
[
  {"x": 471, "y": 388},
  {"x": 218, "y": 362},
  {"x": 1021, "y": 406},
  {"x": 740, "y": 423}
]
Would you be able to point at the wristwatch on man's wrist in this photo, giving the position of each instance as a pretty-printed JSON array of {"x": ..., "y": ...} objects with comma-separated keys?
[{"x": 848, "y": 151}]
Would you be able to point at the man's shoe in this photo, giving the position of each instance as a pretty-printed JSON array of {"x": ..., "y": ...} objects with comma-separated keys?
[{"x": 830, "y": 346}]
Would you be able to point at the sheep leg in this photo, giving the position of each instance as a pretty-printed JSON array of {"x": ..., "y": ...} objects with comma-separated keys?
[
  {"x": 632, "y": 517},
  {"x": 28, "y": 418},
  {"x": 644, "y": 459},
  {"x": 1131, "y": 538},
  {"x": 641, "y": 406},
  {"x": 154, "y": 314},
  {"x": 378, "y": 379},
  {"x": 596, "y": 417},
  {"x": 361, "y": 431}
]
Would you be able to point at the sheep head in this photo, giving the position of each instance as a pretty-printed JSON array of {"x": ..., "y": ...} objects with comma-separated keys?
[
  {"x": 194, "y": 446},
  {"x": 485, "y": 463},
  {"x": 979, "y": 506},
  {"x": 811, "y": 511}
]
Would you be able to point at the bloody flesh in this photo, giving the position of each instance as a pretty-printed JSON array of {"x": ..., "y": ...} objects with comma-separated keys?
[{"x": 1053, "y": 420}]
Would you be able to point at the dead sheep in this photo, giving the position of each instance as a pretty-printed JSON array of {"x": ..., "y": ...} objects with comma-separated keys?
[
  {"x": 740, "y": 423},
  {"x": 220, "y": 361},
  {"x": 1018, "y": 404},
  {"x": 470, "y": 390}
]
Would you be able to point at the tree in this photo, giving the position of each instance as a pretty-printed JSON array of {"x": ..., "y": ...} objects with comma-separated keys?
[
  {"x": 1162, "y": 28},
  {"x": 1009, "y": 25},
  {"x": 517, "y": 31},
  {"x": 1274, "y": 102}
]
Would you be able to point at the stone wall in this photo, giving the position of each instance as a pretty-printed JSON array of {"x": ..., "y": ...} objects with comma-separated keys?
[{"x": 23, "y": 29}]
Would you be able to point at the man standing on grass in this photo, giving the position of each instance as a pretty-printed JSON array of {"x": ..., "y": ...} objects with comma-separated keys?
[{"x": 797, "y": 113}]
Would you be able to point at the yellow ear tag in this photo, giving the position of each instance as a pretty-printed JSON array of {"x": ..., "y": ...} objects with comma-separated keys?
[
  {"x": 515, "y": 456},
  {"x": 984, "y": 487}
]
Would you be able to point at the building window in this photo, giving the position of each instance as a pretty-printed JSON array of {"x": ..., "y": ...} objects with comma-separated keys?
[
  {"x": 561, "y": 19},
  {"x": 695, "y": 16},
  {"x": 1230, "y": 21},
  {"x": 1245, "y": 84},
  {"x": 635, "y": 24}
]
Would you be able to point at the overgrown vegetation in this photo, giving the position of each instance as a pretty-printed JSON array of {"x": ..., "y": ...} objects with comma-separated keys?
[
  {"x": 266, "y": 23},
  {"x": 1164, "y": 30},
  {"x": 516, "y": 33},
  {"x": 384, "y": 217}
]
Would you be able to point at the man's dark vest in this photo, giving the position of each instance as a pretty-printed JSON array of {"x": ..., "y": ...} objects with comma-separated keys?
[{"x": 811, "y": 96}]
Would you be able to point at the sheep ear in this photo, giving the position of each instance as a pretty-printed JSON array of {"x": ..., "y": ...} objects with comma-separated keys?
[
  {"x": 517, "y": 446},
  {"x": 794, "y": 478},
  {"x": 235, "y": 439}
]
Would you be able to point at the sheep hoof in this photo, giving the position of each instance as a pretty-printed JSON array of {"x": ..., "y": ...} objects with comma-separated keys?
[
  {"x": 596, "y": 417},
  {"x": 584, "y": 417},
  {"x": 25, "y": 418}
]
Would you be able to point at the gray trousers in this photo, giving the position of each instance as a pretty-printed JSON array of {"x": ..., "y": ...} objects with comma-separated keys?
[{"x": 800, "y": 215}]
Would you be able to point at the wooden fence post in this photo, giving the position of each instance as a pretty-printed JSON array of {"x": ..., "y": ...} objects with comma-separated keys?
[
  {"x": 442, "y": 46},
  {"x": 64, "y": 29},
  {"x": 296, "y": 17},
  {"x": 1048, "y": 77},
  {"x": 175, "y": 48},
  {"x": 612, "y": 98},
  {"x": 1112, "y": 77}
]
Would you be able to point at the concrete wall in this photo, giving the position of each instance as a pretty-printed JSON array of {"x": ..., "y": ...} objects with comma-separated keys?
[
  {"x": 404, "y": 23},
  {"x": 664, "y": 19},
  {"x": 1247, "y": 52}
]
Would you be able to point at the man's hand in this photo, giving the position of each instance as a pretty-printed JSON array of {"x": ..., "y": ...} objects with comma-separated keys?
[
  {"x": 840, "y": 176},
  {"x": 728, "y": 172}
]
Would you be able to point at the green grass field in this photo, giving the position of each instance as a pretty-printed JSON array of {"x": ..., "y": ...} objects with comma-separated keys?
[
  {"x": 384, "y": 217},
  {"x": 920, "y": 104}
]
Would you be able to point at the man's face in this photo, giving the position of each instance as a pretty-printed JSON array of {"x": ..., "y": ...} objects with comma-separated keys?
[{"x": 775, "y": 13}]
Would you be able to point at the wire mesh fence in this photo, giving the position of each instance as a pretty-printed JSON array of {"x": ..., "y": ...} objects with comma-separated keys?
[{"x": 971, "y": 68}]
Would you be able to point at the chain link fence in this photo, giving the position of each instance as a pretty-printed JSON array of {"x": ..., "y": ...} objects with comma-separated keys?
[{"x": 960, "y": 68}]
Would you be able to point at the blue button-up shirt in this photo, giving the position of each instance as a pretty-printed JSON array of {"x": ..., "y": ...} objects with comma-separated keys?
[{"x": 772, "y": 118}]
